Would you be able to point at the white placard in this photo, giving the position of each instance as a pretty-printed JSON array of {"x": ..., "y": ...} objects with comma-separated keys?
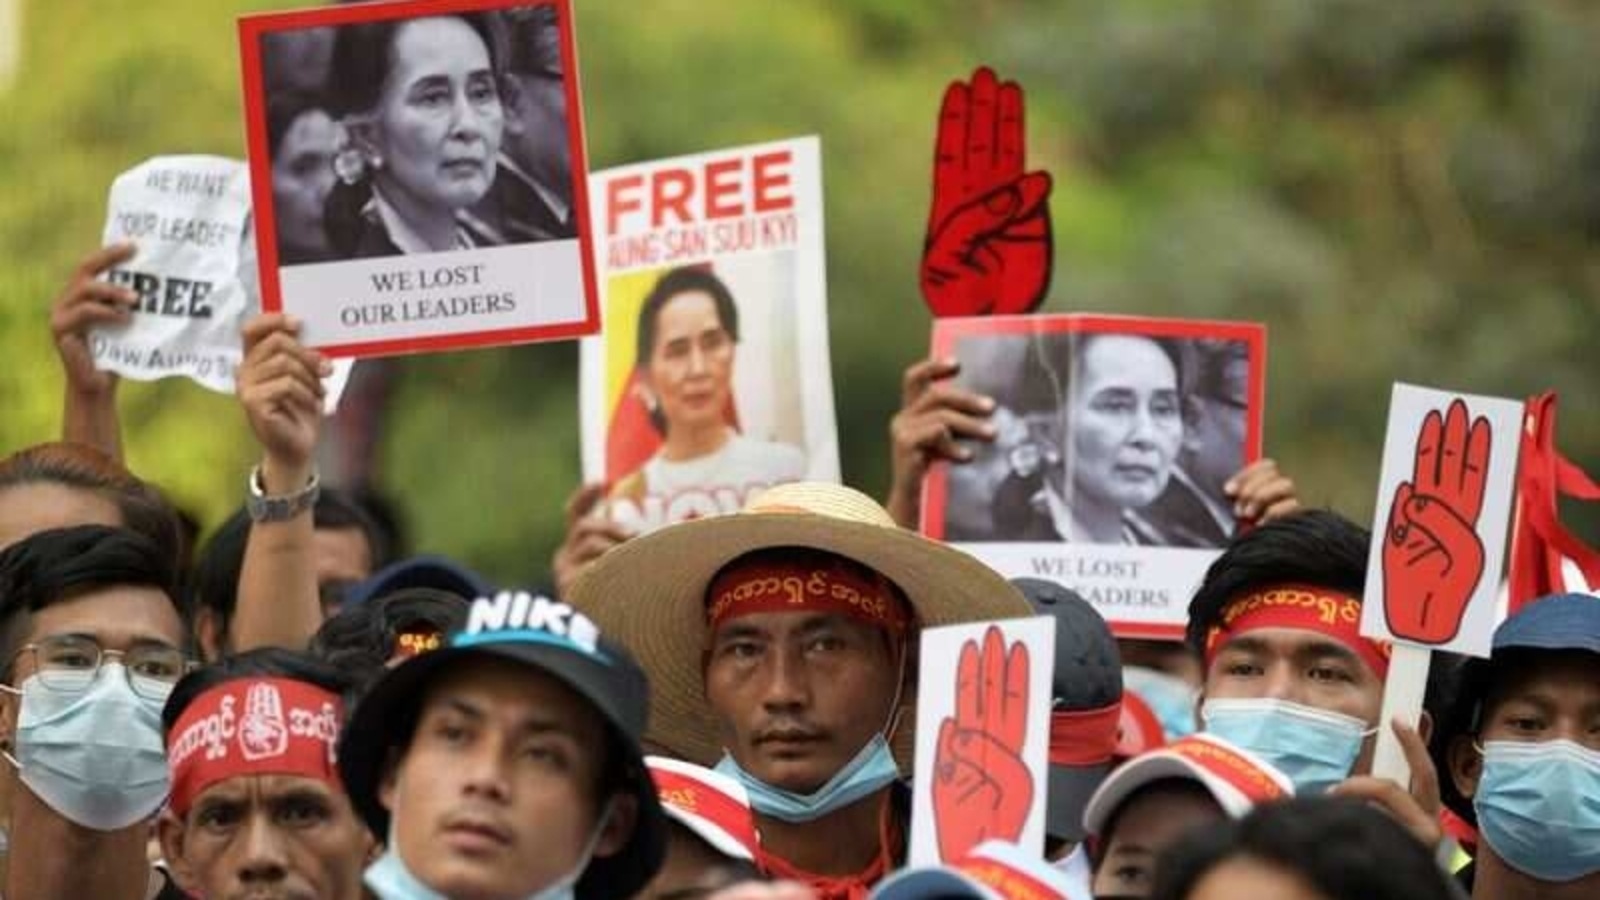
[
  {"x": 1439, "y": 534},
  {"x": 734, "y": 391},
  {"x": 983, "y": 737}
]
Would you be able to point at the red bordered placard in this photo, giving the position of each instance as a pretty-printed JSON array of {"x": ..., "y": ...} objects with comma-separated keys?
[
  {"x": 518, "y": 270},
  {"x": 1169, "y": 525}
]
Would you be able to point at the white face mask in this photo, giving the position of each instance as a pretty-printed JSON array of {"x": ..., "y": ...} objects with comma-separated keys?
[
  {"x": 94, "y": 755},
  {"x": 390, "y": 879}
]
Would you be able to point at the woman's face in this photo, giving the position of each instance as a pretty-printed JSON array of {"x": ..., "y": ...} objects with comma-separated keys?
[
  {"x": 1125, "y": 419},
  {"x": 438, "y": 123},
  {"x": 691, "y": 364}
]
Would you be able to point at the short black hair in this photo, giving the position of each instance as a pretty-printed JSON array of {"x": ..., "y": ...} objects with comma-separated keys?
[
  {"x": 262, "y": 662},
  {"x": 215, "y": 583},
  {"x": 1315, "y": 547},
  {"x": 360, "y": 639},
  {"x": 1098, "y": 847},
  {"x": 1342, "y": 847},
  {"x": 142, "y": 508},
  {"x": 52, "y": 566}
]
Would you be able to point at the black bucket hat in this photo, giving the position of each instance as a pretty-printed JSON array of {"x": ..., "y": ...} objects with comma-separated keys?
[{"x": 559, "y": 642}]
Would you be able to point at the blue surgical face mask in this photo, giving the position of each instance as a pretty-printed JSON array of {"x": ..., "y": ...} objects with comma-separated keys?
[
  {"x": 389, "y": 878},
  {"x": 1538, "y": 807},
  {"x": 870, "y": 771},
  {"x": 1315, "y": 748},
  {"x": 94, "y": 755},
  {"x": 1168, "y": 696}
]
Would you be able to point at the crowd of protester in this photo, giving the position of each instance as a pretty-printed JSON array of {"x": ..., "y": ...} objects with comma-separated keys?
[{"x": 294, "y": 708}]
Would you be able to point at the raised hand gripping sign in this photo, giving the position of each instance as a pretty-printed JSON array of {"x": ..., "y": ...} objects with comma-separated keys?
[
  {"x": 988, "y": 250},
  {"x": 1438, "y": 540},
  {"x": 982, "y": 735}
]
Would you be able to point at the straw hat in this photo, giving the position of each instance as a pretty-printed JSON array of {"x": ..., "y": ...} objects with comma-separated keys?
[{"x": 649, "y": 593}]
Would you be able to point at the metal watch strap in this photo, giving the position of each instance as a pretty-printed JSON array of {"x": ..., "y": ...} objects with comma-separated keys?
[{"x": 264, "y": 508}]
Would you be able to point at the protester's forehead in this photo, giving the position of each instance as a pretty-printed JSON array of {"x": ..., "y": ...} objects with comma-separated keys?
[
  {"x": 1549, "y": 676},
  {"x": 1284, "y": 642},
  {"x": 1156, "y": 808},
  {"x": 267, "y": 789},
  {"x": 117, "y": 617},
  {"x": 513, "y": 693},
  {"x": 778, "y": 625},
  {"x": 27, "y": 509}
]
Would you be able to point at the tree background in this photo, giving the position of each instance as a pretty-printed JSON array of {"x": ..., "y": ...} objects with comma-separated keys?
[{"x": 1401, "y": 191}]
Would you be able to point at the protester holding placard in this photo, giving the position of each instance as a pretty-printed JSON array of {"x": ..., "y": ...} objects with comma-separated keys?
[
  {"x": 1524, "y": 753},
  {"x": 89, "y": 301},
  {"x": 1289, "y": 676},
  {"x": 257, "y": 808},
  {"x": 777, "y": 641},
  {"x": 93, "y": 635}
]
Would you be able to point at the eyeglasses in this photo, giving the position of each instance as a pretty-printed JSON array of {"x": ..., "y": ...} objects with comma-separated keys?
[{"x": 70, "y": 663}]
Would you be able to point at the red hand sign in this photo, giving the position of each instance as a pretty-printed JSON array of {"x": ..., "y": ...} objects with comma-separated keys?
[
  {"x": 1432, "y": 555},
  {"x": 981, "y": 787},
  {"x": 988, "y": 249}
]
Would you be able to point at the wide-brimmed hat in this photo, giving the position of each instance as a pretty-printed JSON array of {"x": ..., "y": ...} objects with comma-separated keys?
[
  {"x": 559, "y": 642},
  {"x": 649, "y": 593}
]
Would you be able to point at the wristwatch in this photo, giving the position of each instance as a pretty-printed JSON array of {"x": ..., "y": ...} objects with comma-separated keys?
[{"x": 263, "y": 508}]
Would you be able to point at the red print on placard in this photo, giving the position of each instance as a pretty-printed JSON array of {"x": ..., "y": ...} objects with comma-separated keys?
[
  {"x": 1432, "y": 555},
  {"x": 982, "y": 789},
  {"x": 988, "y": 250}
]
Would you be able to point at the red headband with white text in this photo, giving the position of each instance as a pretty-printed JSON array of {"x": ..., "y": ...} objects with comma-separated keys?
[
  {"x": 827, "y": 585},
  {"x": 1328, "y": 612},
  {"x": 253, "y": 726}
]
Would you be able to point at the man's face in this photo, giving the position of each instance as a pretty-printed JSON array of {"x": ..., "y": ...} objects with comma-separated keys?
[
  {"x": 536, "y": 128},
  {"x": 1125, "y": 420},
  {"x": 692, "y": 869},
  {"x": 268, "y": 837},
  {"x": 799, "y": 694},
  {"x": 302, "y": 177},
  {"x": 1300, "y": 666},
  {"x": 1148, "y": 823},
  {"x": 117, "y": 618},
  {"x": 1214, "y": 437},
  {"x": 691, "y": 365},
  {"x": 1555, "y": 696},
  {"x": 496, "y": 797}
]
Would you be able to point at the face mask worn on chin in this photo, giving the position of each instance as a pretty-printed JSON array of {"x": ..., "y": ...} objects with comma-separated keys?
[
  {"x": 1315, "y": 748},
  {"x": 1168, "y": 696},
  {"x": 869, "y": 771},
  {"x": 93, "y": 755},
  {"x": 389, "y": 879},
  {"x": 1538, "y": 807}
]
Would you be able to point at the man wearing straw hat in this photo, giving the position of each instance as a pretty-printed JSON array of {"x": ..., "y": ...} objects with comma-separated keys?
[{"x": 779, "y": 642}]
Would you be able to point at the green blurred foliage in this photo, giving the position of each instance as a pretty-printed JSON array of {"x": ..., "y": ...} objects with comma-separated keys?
[{"x": 1402, "y": 191}]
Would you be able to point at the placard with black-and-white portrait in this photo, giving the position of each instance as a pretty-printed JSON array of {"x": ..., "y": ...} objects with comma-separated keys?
[
  {"x": 418, "y": 173},
  {"x": 1114, "y": 437}
]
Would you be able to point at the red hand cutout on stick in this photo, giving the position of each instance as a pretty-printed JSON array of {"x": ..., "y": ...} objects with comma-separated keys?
[
  {"x": 1432, "y": 555},
  {"x": 981, "y": 787},
  {"x": 988, "y": 250}
]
